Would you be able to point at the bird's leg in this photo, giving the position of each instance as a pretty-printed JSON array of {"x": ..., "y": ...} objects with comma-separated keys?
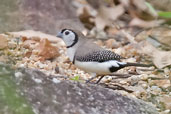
[
  {"x": 117, "y": 75},
  {"x": 101, "y": 77},
  {"x": 113, "y": 74},
  {"x": 93, "y": 77}
]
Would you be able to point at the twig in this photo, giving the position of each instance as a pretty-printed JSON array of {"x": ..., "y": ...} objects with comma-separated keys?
[
  {"x": 120, "y": 75},
  {"x": 91, "y": 79},
  {"x": 130, "y": 37},
  {"x": 117, "y": 87}
]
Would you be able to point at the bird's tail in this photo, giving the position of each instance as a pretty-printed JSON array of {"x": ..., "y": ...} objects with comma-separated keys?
[{"x": 137, "y": 64}]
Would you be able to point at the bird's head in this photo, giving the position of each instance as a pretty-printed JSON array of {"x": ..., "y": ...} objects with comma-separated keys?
[{"x": 68, "y": 36}]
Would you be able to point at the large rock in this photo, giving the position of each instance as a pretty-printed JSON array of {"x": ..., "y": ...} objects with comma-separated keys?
[
  {"x": 43, "y": 15},
  {"x": 52, "y": 96}
]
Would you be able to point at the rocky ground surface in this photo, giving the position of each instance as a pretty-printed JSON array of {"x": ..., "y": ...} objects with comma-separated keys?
[
  {"x": 134, "y": 31},
  {"x": 32, "y": 51},
  {"x": 35, "y": 92}
]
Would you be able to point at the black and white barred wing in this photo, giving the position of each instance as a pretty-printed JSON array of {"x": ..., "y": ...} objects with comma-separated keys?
[{"x": 99, "y": 56}]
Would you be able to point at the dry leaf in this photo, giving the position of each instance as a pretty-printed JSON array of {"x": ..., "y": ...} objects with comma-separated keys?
[
  {"x": 138, "y": 8},
  {"x": 160, "y": 58},
  {"x": 29, "y": 44},
  {"x": 145, "y": 24},
  {"x": 46, "y": 50},
  {"x": 167, "y": 101},
  {"x": 3, "y": 42},
  {"x": 3, "y": 58},
  {"x": 162, "y": 83},
  {"x": 111, "y": 43},
  {"x": 86, "y": 17},
  {"x": 28, "y": 54},
  {"x": 97, "y": 3},
  {"x": 106, "y": 15}
]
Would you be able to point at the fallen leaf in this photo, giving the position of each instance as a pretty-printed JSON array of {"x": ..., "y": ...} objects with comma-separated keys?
[
  {"x": 167, "y": 101},
  {"x": 162, "y": 83},
  {"x": 46, "y": 50},
  {"x": 24, "y": 38},
  {"x": 97, "y": 3},
  {"x": 3, "y": 58},
  {"x": 138, "y": 8},
  {"x": 106, "y": 15},
  {"x": 111, "y": 43},
  {"x": 3, "y": 42},
  {"x": 162, "y": 34},
  {"x": 145, "y": 24},
  {"x": 28, "y": 54},
  {"x": 160, "y": 58},
  {"x": 29, "y": 44},
  {"x": 85, "y": 18}
]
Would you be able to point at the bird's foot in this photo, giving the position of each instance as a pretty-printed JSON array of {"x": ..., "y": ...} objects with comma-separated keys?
[{"x": 101, "y": 77}]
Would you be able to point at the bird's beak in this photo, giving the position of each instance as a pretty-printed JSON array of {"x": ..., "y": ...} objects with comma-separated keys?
[{"x": 59, "y": 35}]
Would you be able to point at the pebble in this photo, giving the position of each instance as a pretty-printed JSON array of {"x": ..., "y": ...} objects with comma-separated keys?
[
  {"x": 156, "y": 89},
  {"x": 56, "y": 81},
  {"x": 18, "y": 74},
  {"x": 57, "y": 69},
  {"x": 144, "y": 77},
  {"x": 37, "y": 80}
]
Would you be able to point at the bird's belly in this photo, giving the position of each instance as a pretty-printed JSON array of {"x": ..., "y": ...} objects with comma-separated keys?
[{"x": 94, "y": 67}]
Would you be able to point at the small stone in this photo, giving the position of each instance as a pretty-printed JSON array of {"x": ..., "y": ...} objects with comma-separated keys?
[
  {"x": 28, "y": 54},
  {"x": 3, "y": 42},
  {"x": 22, "y": 65},
  {"x": 144, "y": 85},
  {"x": 37, "y": 80},
  {"x": 57, "y": 69},
  {"x": 167, "y": 111},
  {"x": 56, "y": 80},
  {"x": 12, "y": 45},
  {"x": 18, "y": 74},
  {"x": 73, "y": 67},
  {"x": 144, "y": 77},
  {"x": 123, "y": 82},
  {"x": 156, "y": 89}
]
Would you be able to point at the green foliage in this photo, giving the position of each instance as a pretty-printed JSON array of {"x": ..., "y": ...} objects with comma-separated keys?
[
  {"x": 160, "y": 13},
  {"x": 152, "y": 10},
  {"x": 76, "y": 78},
  {"x": 165, "y": 14}
]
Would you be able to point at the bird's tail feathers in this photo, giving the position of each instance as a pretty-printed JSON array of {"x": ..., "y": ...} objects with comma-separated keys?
[{"x": 137, "y": 64}]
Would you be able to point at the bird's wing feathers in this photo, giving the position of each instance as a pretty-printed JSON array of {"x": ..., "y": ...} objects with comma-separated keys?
[{"x": 92, "y": 52}]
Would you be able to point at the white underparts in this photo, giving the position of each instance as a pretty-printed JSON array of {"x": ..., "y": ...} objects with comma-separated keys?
[
  {"x": 98, "y": 67},
  {"x": 70, "y": 53}
]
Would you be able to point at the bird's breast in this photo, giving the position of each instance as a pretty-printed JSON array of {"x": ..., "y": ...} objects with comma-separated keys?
[{"x": 71, "y": 53}]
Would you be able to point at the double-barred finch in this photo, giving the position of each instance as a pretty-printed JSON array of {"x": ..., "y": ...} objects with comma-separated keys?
[{"x": 90, "y": 57}]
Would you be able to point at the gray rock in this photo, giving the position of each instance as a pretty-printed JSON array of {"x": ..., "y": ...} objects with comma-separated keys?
[
  {"x": 52, "y": 96},
  {"x": 48, "y": 16}
]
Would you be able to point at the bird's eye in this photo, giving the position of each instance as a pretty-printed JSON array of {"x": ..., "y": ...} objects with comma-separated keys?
[{"x": 66, "y": 33}]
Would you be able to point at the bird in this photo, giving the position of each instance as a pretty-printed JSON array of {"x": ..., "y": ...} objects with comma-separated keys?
[{"x": 90, "y": 57}]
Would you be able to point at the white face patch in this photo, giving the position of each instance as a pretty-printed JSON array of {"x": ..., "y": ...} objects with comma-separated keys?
[{"x": 68, "y": 37}]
